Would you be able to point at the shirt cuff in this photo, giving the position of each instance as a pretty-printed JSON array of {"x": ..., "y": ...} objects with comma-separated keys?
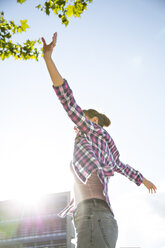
[{"x": 62, "y": 89}]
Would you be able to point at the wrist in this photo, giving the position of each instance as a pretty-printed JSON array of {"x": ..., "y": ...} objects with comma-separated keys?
[
  {"x": 144, "y": 180},
  {"x": 47, "y": 57}
]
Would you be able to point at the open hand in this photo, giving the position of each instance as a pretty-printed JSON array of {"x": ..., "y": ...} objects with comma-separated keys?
[
  {"x": 149, "y": 185},
  {"x": 48, "y": 49}
]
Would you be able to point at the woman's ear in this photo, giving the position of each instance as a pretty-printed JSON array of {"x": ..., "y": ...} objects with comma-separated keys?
[{"x": 95, "y": 119}]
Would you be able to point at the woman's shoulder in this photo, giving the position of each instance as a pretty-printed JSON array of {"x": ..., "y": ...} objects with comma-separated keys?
[{"x": 98, "y": 130}]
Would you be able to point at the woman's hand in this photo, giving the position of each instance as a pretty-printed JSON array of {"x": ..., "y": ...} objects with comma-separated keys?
[
  {"x": 76, "y": 130},
  {"x": 149, "y": 185},
  {"x": 48, "y": 49}
]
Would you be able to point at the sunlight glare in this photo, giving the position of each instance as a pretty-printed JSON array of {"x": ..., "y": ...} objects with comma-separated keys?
[{"x": 31, "y": 200}]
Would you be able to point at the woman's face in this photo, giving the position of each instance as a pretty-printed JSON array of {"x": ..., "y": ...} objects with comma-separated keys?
[{"x": 93, "y": 119}]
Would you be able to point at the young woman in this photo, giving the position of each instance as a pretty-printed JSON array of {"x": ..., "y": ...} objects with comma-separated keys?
[{"x": 95, "y": 159}]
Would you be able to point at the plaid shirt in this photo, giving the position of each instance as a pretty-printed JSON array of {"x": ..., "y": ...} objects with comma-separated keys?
[{"x": 94, "y": 148}]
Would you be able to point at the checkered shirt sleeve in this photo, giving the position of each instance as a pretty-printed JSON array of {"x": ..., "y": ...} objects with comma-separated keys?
[
  {"x": 75, "y": 113},
  {"x": 129, "y": 172}
]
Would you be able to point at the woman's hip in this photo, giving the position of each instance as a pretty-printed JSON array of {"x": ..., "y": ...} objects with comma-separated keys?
[{"x": 95, "y": 225}]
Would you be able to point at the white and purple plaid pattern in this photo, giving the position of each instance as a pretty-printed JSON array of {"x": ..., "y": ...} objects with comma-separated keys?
[{"x": 93, "y": 149}]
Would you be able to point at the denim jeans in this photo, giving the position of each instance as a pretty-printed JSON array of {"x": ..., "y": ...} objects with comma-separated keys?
[{"x": 95, "y": 225}]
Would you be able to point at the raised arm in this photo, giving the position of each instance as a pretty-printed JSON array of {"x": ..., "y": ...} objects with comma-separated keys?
[
  {"x": 47, "y": 51},
  {"x": 64, "y": 92}
]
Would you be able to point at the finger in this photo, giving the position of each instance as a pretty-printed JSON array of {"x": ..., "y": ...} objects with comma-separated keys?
[
  {"x": 54, "y": 39},
  {"x": 55, "y": 35},
  {"x": 154, "y": 188},
  {"x": 43, "y": 40}
]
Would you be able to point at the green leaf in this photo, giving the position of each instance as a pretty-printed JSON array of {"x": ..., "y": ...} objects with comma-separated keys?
[
  {"x": 21, "y": 1},
  {"x": 24, "y": 25},
  {"x": 1, "y": 14},
  {"x": 47, "y": 8},
  {"x": 39, "y": 41},
  {"x": 65, "y": 20},
  {"x": 61, "y": 2},
  {"x": 69, "y": 11},
  {"x": 12, "y": 23},
  {"x": 3, "y": 56},
  {"x": 19, "y": 30},
  {"x": 38, "y": 6}
]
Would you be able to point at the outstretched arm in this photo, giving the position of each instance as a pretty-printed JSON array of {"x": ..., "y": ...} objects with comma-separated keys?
[
  {"x": 47, "y": 50},
  {"x": 134, "y": 175}
]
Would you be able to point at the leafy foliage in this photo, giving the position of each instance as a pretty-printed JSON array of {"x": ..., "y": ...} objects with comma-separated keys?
[
  {"x": 64, "y": 9},
  {"x": 8, "y": 48}
]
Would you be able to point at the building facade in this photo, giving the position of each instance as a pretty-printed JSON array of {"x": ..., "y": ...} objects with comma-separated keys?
[{"x": 37, "y": 226}]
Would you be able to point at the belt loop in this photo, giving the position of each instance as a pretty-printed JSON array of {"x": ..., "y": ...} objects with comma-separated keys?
[{"x": 95, "y": 203}]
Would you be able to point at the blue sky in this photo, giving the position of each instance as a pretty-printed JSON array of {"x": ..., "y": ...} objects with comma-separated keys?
[{"x": 113, "y": 59}]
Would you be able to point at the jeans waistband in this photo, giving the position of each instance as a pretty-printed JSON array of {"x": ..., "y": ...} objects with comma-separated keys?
[{"x": 94, "y": 201}]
